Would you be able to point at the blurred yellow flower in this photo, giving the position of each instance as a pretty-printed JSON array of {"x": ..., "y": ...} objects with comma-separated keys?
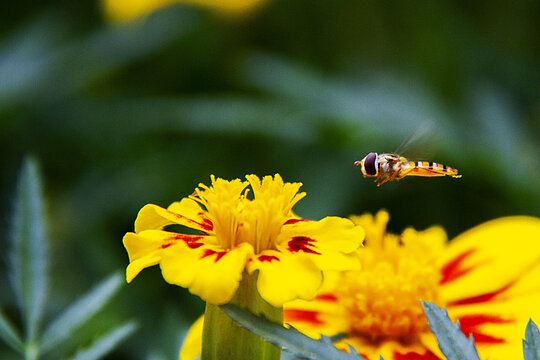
[
  {"x": 235, "y": 234},
  {"x": 126, "y": 10},
  {"x": 488, "y": 278}
]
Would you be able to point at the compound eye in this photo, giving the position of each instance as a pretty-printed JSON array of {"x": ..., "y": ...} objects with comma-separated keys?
[{"x": 369, "y": 164}]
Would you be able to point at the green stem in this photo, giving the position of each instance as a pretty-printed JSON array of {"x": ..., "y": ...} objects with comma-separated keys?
[
  {"x": 31, "y": 352},
  {"x": 223, "y": 338}
]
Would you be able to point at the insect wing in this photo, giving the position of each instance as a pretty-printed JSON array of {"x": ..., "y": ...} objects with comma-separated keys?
[{"x": 422, "y": 144}]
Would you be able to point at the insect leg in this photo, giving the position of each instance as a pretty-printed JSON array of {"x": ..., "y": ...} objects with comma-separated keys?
[
  {"x": 403, "y": 173},
  {"x": 380, "y": 175},
  {"x": 386, "y": 178},
  {"x": 398, "y": 174}
]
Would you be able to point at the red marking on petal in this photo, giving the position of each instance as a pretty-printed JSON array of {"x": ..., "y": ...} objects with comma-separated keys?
[
  {"x": 308, "y": 316},
  {"x": 293, "y": 221},
  {"x": 187, "y": 238},
  {"x": 428, "y": 355},
  {"x": 347, "y": 349},
  {"x": 327, "y": 297},
  {"x": 470, "y": 323},
  {"x": 454, "y": 269},
  {"x": 207, "y": 225},
  {"x": 194, "y": 245},
  {"x": 481, "y": 298},
  {"x": 301, "y": 243},
  {"x": 191, "y": 240},
  {"x": 209, "y": 252},
  {"x": 268, "y": 258},
  {"x": 480, "y": 338}
]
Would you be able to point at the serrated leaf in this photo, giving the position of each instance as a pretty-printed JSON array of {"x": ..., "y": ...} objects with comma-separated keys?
[
  {"x": 452, "y": 342},
  {"x": 293, "y": 342},
  {"x": 28, "y": 256},
  {"x": 531, "y": 344},
  {"x": 9, "y": 334},
  {"x": 106, "y": 343},
  {"x": 80, "y": 311}
]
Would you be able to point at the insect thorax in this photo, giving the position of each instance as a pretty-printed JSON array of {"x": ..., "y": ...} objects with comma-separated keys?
[{"x": 389, "y": 163}]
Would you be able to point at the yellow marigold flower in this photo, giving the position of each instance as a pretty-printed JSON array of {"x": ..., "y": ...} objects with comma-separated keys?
[
  {"x": 126, "y": 10},
  {"x": 237, "y": 233},
  {"x": 488, "y": 278}
]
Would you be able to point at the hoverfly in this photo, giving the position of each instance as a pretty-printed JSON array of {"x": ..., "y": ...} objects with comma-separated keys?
[{"x": 391, "y": 166}]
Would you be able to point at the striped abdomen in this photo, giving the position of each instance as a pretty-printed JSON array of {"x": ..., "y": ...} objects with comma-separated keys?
[{"x": 428, "y": 168}]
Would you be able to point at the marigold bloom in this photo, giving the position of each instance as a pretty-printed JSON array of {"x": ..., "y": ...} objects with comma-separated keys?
[
  {"x": 126, "y": 10},
  {"x": 488, "y": 278},
  {"x": 235, "y": 234}
]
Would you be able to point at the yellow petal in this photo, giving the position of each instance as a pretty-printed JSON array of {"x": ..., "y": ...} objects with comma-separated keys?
[
  {"x": 214, "y": 275},
  {"x": 322, "y": 315},
  {"x": 155, "y": 217},
  {"x": 527, "y": 284},
  {"x": 429, "y": 341},
  {"x": 191, "y": 348},
  {"x": 490, "y": 256},
  {"x": 127, "y": 10},
  {"x": 273, "y": 189},
  {"x": 230, "y": 6},
  {"x": 329, "y": 243},
  {"x": 499, "y": 335},
  {"x": 138, "y": 245},
  {"x": 375, "y": 226},
  {"x": 433, "y": 240},
  {"x": 145, "y": 248},
  {"x": 332, "y": 233},
  {"x": 187, "y": 207},
  {"x": 136, "y": 266},
  {"x": 386, "y": 348},
  {"x": 284, "y": 277}
]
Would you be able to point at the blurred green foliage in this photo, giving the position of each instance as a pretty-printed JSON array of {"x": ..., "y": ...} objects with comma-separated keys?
[
  {"x": 28, "y": 274},
  {"x": 124, "y": 115}
]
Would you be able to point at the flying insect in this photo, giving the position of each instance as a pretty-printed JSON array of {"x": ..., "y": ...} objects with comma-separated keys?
[{"x": 390, "y": 166}]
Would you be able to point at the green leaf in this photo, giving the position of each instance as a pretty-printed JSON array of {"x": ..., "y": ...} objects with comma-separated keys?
[
  {"x": 107, "y": 342},
  {"x": 531, "y": 344},
  {"x": 9, "y": 334},
  {"x": 80, "y": 311},
  {"x": 345, "y": 101},
  {"x": 452, "y": 342},
  {"x": 75, "y": 62},
  {"x": 294, "y": 343},
  {"x": 157, "y": 356},
  {"x": 28, "y": 257}
]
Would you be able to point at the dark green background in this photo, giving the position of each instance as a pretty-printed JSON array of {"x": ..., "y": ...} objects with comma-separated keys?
[{"x": 122, "y": 116}]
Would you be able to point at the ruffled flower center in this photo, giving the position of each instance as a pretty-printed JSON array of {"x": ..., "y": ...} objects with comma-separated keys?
[
  {"x": 383, "y": 299},
  {"x": 237, "y": 218}
]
